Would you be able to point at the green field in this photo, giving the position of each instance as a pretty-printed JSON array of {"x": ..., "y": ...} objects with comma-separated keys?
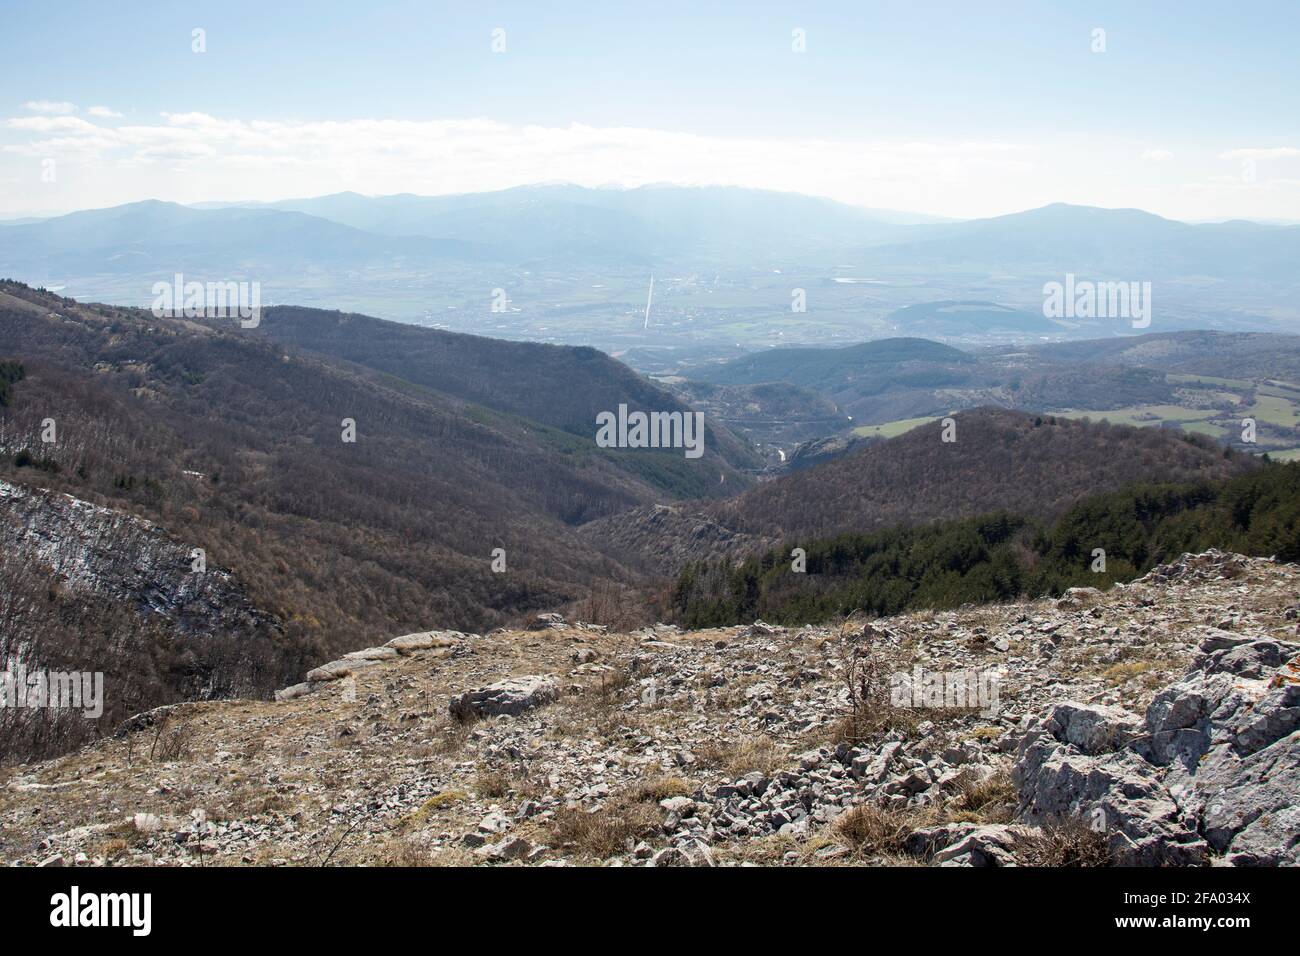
[
  {"x": 1146, "y": 414},
  {"x": 1205, "y": 428},
  {"x": 1211, "y": 410},
  {"x": 1274, "y": 406},
  {"x": 890, "y": 429},
  {"x": 1210, "y": 406}
]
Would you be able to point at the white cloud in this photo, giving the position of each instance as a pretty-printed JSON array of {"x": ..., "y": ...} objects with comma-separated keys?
[
  {"x": 1272, "y": 152},
  {"x": 439, "y": 156},
  {"x": 193, "y": 156},
  {"x": 103, "y": 112},
  {"x": 50, "y": 124},
  {"x": 57, "y": 107}
]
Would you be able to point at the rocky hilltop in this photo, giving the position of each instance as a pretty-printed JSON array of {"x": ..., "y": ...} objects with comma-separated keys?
[{"x": 1155, "y": 723}]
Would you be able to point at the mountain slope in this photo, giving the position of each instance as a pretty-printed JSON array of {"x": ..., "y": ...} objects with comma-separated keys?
[
  {"x": 85, "y": 587},
  {"x": 874, "y": 381},
  {"x": 533, "y": 381},
  {"x": 1001, "y": 460},
  {"x": 1030, "y": 465},
  {"x": 1237, "y": 355},
  {"x": 161, "y": 238},
  {"x": 1126, "y": 244},
  {"x": 999, "y": 556},
  {"x": 382, "y": 758},
  {"x": 235, "y": 444},
  {"x": 880, "y": 363}
]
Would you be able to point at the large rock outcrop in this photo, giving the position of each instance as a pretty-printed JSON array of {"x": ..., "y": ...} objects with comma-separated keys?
[{"x": 1216, "y": 770}]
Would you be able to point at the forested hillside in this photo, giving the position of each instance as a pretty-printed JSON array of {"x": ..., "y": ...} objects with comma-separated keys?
[
  {"x": 561, "y": 386},
  {"x": 1037, "y": 465},
  {"x": 1100, "y": 540},
  {"x": 236, "y": 445}
]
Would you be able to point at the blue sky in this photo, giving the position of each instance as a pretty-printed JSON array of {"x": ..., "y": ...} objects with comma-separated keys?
[{"x": 1192, "y": 110}]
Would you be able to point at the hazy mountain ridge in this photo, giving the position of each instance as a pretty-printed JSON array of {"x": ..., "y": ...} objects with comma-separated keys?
[
  {"x": 901, "y": 381},
  {"x": 1125, "y": 244},
  {"x": 576, "y": 262}
]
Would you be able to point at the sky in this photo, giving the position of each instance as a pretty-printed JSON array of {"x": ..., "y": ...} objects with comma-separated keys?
[{"x": 1188, "y": 109}]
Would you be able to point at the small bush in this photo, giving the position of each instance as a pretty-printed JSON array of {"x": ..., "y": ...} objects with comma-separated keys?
[
  {"x": 492, "y": 784},
  {"x": 1071, "y": 843},
  {"x": 661, "y": 788},
  {"x": 747, "y": 755},
  {"x": 869, "y": 829},
  {"x": 609, "y": 831},
  {"x": 988, "y": 800}
]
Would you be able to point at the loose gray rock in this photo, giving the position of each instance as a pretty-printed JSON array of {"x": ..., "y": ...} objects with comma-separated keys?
[
  {"x": 992, "y": 845},
  {"x": 513, "y": 696}
]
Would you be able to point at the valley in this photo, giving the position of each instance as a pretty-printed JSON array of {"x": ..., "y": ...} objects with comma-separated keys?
[{"x": 442, "y": 439}]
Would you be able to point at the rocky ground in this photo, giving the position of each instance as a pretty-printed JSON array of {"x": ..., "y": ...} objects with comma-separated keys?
[{"x": 1153, "y": 724}]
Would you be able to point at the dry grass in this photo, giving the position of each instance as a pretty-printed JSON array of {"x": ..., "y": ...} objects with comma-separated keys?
[
  {"x": 110, "y": 850},
  {"x": 451, "y": 737},
  {"x": 869, "y": 726},
  {"x": 1150, "y": 672},
  {"x": 597, "y": 712},
  {"x": 252, "y": 799},
  {"x": 492, "y": 784},
  {"x": 408, "y": 851},
  {"x": 661, "y": 788},
  {"x": 173, "y": 740},
  {"x": 117, "y": 840},
  {"x": 1070, "y": 843},
  {"x": 609, "y": 831},
  {"x": 874, "y": 656},
  {"x": 404, "y": 852},
  {"x": 988, "y": 800},
  {"x": 982, "y": 733},
  {"x": 869, "y": 829},
  {"x": 747, "y": 755},
  {"x": 438, "y": 801}
]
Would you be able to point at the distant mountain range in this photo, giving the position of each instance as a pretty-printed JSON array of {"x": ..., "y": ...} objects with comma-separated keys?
[
  {"x": 553, "y": 222},
  {"x": 1122, "y": 244},
  {"x": 645, "y": 225},
  {"x": 736, "y": 269}
]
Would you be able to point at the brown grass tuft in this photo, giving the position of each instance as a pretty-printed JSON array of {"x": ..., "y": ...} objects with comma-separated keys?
[
  {"x": 1070, "y": 843},
  {"x": 608, "y": 831},
  {"x": 870, "y": 829},
  {"x": 747, "y": 755}
]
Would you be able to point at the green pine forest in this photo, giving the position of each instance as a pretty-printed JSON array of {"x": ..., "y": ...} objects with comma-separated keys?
[{"x": 998, "y": 556}]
